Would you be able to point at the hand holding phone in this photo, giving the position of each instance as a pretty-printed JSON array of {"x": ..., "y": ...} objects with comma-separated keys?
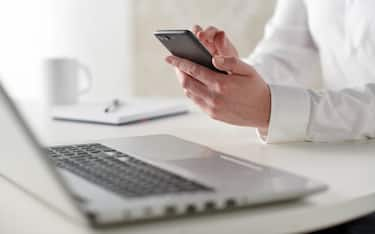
[{"x": 229, "y": 97}]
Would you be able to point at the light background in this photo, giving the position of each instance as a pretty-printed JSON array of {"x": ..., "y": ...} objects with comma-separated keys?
[{"x": 114, "y": 38}]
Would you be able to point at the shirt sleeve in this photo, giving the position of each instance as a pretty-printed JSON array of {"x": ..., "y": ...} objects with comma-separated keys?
[
  {"x": 287, "y": 54},
  {"x": 298, "y": 111},
  {"x": 287, "y": 59},
  {"x": 341, "y": 115}
]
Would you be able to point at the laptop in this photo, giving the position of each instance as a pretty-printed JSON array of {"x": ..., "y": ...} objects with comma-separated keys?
[{"x": 127, "y": 180}]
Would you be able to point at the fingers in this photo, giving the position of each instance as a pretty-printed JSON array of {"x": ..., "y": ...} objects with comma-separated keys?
[
  {"x": 233, "y": 65},
  {"x": 196, "y": 29},
  {"x": 182, "y": 77},
  {"x": 195, "y": 90},
  {"x": 206, "y": 97},
  {"x": 207, "y": 38},
  {"x": 208, "y": 34},
  {"x": 201, "y": 73},
  {"x": 194, "y": 87},
  {"x": 215, "y": 41},
  {"x": 221, "y": 42}
]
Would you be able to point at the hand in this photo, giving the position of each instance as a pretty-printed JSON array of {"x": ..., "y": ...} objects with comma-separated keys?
[
  {"x": 242, "y": 98},
  {"x": 215, "y": 41}
]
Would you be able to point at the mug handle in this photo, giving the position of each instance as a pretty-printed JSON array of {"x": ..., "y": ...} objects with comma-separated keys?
[{"x": 86, "y": 71}]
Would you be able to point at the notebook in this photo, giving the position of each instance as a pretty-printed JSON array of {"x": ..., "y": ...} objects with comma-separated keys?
[{"x": 130, "y": 111}]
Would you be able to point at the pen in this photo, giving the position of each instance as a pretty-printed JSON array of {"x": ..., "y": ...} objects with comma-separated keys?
[{"x": 115, "y": 104}]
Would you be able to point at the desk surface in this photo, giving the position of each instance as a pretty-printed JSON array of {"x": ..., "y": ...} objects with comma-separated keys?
[{"x": 348, "y": 168}]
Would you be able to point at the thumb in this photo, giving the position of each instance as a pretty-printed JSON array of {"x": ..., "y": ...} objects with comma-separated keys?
[{"x": 233, "y": 65}]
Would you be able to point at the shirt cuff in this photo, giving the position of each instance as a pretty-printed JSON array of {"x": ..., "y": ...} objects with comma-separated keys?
[{"x": 290, "y": 111}]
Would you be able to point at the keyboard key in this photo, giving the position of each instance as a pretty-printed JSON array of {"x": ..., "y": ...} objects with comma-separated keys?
[{"x": 120, "y": 173}]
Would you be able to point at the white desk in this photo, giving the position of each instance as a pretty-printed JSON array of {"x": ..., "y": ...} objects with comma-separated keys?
[{"x": 348, "y": 168}]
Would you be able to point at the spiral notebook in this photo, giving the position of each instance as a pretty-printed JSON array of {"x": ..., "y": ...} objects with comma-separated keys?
[{"x": 129, "y": 112}]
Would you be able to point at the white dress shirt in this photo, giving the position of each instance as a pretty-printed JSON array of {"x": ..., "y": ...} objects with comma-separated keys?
[{"x": 339, "y": 37}]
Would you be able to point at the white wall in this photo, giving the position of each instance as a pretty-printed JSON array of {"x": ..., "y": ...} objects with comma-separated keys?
[
  {"x": 94, "y": 31},
  {"x": 23, "y": 38}
]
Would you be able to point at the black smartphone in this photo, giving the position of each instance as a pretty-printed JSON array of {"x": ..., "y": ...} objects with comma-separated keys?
[{"x": 183, "y": 43}]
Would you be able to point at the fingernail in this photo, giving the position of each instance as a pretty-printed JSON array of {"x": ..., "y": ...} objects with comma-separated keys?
[
  {"x": 196, "y": 27},
  {"x": 169, "y": 60},
  {"x": 219, "y": 60}
]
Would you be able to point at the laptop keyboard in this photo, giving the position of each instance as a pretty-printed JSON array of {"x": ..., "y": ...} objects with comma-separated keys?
[{"x": 119, "y": 172}]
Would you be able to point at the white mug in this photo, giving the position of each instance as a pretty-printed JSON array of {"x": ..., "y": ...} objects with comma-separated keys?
[{"x": 62, "y": 80}]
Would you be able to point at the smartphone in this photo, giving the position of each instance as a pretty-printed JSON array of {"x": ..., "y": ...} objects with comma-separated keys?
[{"x": 183, "y": 43}]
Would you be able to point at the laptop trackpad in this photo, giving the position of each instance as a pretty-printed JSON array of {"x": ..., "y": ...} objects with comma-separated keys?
[{"x": 223, "y": 170}]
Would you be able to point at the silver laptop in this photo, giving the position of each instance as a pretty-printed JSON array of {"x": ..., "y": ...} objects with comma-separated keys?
[{"x": 137, "y": 178}]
